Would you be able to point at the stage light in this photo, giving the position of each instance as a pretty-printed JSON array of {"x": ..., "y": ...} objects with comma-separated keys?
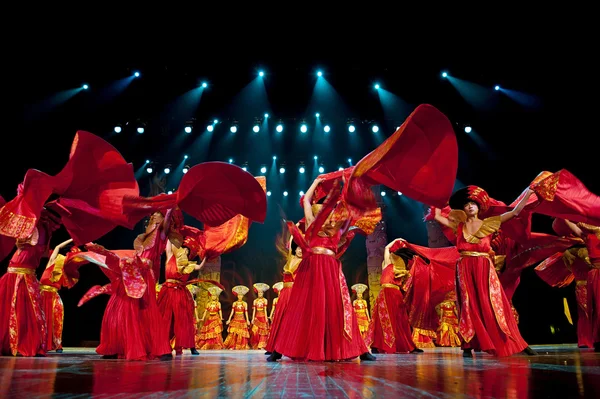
[
  {"x": 301, "y": 193},
  {"x": 185, "y": 169},
  {"x": 256, "y": 129},
  {"x": 210, "y": 128},
  {"x": 204, "y": 84},
  {"x": 321, "y": 169},
  {"x": 301, "y": 170},
  {"x": 136, "y": 74},
  {"x": 263, "y": 169},
  {"x": 375, "y": 128},
  {"x": 468, "y": 129},
  {"x": 233, "y": 129},
  {"x": 326, "y": 129},
  {"x": 303, "y": 128},
  {"x": 245, "y": 169},
  {"x": 444, "y": 74},
  {"x": 215, "y": 121},
  {"x": 274, "y": 157},
  {"x": 261, "y": 74},
  {"x": 266, "y": 115},
  {"x": 230, "y": 160},
  {"x": 315, "y": 157},
  {"x": 169, "y": 192},
  {"x": 317, "y": 114},
  {"x": 149, "y": 169},
  {"x": 349, "y": 160},
  {"x": 85, "y": 87},
  {"x": 496, "y": 87},
  {"x": 399, "y": 193},
  {"x": 282, "y": 170},
  {"x": 351, "y": 128},
  {"x": 319, "y": 74},
  {"x": 188, "y": 129},
  {"x": 376, "y": 87},
  {"x": 279, "y": 128},
  {"x": 285, "y": 193},
  {"x": 147, "y": 161},
  {"x": 167, "y": 169},
  {"x": 268, "y": 193},
  {"x": 118, "y": 129},
  {"x": 185, "y": 157},
  {"x": 383, "y": 193},
  {"x": 140, "y": 130},
  {"x": 340, "y": 168}
]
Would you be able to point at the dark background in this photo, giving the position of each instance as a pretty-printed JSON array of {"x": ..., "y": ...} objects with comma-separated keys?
[{"x": 512, "y": 141}]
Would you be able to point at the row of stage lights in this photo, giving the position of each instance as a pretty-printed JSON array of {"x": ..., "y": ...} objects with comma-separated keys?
[{"x": 301, "y": 193}]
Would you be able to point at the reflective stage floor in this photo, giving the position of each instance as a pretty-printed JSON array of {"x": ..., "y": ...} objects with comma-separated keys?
[{"x": 559, "y": 371}]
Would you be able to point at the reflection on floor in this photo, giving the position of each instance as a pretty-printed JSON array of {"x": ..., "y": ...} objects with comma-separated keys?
[{"x": 559, "y": 371}]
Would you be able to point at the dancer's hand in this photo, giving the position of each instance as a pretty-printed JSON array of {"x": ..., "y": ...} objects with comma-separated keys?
[{"x": 227, "y": 322}]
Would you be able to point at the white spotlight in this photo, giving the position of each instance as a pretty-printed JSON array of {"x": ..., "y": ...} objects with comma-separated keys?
[
  {"x": 279, "y": 128},
  {"x": 351, "y": 128},
  {"x": 167, "y": 170},
  {"x": 303, "y": 128},
  {"x": 263, "y": 170},
  {"x": 118, "y": 129},
  {"x": 188, "y": 129},
  {"x": 149, "y": 169},
  {"x": 496, "y": 87},
  {"x": 282, "y": 170},
  {"x": 321, "y": 169},
  {"x": 468, "y": 129},
  {"x": 210, "y": 128},
  {"x": 256, "y": 129},
  {"x": 317, "y": 114},
  {"x": 137, "y": 74},
  {"x": 169, "y": 192},
  {"x": 301, "y": 170},
  {"x": 285, "y": 193},
  {"x": 185, "y": 170},
  {"x": 326, "y": 129},
  {"x": 375, "y": 128},
  {"x": 140, "y": 130},
  {"x": 383, "y": 193},
  {"x": 301, "y": 193},
  {"x": 233, "y": 129},
  {"x": 268, "y": 193}
]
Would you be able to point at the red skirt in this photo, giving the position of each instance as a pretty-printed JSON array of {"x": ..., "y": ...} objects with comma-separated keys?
[
  {"x": 260, "y": 331},
  {"x": 312, "y": 326},
  {"x": 584, "y": 326},
  {"x": 133, "y": 328},
  {"x": 54, "y": 312},
  {"x": 389, "y": 331},
  {"x": 593, "y": 292},
  {"x": 282, "y": 302},
  {"x": 177, "y": 308},
  {"x": 21, "y": 316},
  {"x": 486, "y": 318},
  {"x": 210, "y": 335}
]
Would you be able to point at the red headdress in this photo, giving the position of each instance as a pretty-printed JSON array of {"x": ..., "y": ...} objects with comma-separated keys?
[{"x": 470, "y": 193}]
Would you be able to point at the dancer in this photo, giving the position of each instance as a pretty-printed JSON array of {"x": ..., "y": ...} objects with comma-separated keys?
[
  {"x": 237, "y": 332},
  {"x": 485, "y": 315},
  {"x": 22, "y": 320},
  {"x": 260, "y": 323},
  {"x": 361, "y": 309},
  {"x": 277, "y": 287},
  {"x": 175, "y": 301},
  {"x": 51, "y": 303},
  {"x": 389, "y": 331},
  {"x": 447, "y": 333},
  {"x": 210, "y": 335},
  {"x": 319, "y": 324}
]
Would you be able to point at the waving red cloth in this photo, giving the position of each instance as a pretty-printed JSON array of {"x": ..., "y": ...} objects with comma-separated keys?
[
  {"x": 420, "y": 160},
  {"x": 90, "y": 189}
]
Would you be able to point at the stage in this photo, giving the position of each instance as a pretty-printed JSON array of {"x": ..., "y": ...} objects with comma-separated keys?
[{"x": 559, "y": 371}]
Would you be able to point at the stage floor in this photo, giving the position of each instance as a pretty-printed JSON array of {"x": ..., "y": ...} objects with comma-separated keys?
[{"x": 559, "y": 371}]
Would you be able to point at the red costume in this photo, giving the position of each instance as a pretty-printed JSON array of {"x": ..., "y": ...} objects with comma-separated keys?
[
  {"x": 361, "y": 309},
  {"x": 210, "y": 335},
  {"x": 260, "y": 323},
  {"x": 447, "y": 333},
  {"x": 282, "y": 304},
  {"x": 389, "y": 331},
  {"x": 238, "y": 335},
  {"x": 592, "y": 242}
]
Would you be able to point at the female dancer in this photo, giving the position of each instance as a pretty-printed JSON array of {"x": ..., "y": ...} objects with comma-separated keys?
[
  {"x": 485, "y": 314},
  {"x": 238, "y": 335},
  {"x": 51, "y": 303},
  {"x": 320, "y": 324},
  {"x": 210, "y": 335},
  {"x": 277, "y": 287},
  {"x": 260, "y": 324},
  {"x": 447, "y": 333},
  {"x": 361, "y": 308}
]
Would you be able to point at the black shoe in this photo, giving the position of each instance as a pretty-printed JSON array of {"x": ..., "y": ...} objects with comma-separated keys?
[
  {"x": 168, "y": 356},
  {"x": 268, "y": 353},
  {"x": 367, "y": 357},
  {"x": 193, "y": 351},
  {"x": 529, "y": 351},
  {"x": 374, "y": 350},
  {"x": 596, "y": 346},
  {"x": 110, "y": 357},
  {"x": 59, "y": 351},
  {"x": 416, "y": 350},
  {"x": 274, "y": 357},
  {"x": 467, "y": 353}
]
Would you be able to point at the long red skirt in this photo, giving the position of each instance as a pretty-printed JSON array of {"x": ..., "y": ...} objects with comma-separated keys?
[
  {"x": 477, "y": 287},
  {"x": 389, "y": 331},
  {"x": 584, "y": 327},
  {"x": 177, "y": 308},
  {"x": 54, "y": 312},
  {"x": 133, "y": 328},
  {"x": 593, "y": 292},
  {"x": 312, "y": 326},
  {"x": 259, "y": 332},
  {"x": 210, "y": 335},
  {"x": 28, "y": 321},
  {"x": 282, "y": 302}
]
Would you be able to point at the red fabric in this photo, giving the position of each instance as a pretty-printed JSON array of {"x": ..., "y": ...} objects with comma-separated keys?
[
  {"x": 280, "y": 309},
  {"x": 485, "y": 314},
  {"x": 54, "y": 312},
  {"x": 584, "y": 325},
  {"x": 177, "y": 308},
  {"x": 238, "y": 335},
  {"x": 90, "y": 189},
  {"x": 553, "y": 271},
  {"x": 562, "y": 195},
  {"x": 593, "y": 293},
  {"x": 420, "y": 160},
  {"x": 389, "y": 331}
]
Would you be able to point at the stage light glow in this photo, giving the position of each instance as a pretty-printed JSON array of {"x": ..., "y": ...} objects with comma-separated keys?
[
  {"x": 317, "y": 114},
  {"x": 383, "y": 193},
  {"x": 468, "y": 129},
  {"x": 188, "y": 129},
  {"x": 136, "y": 74},
  {"x": 279, "y": 128},
  {"x": 204, "y": 84},
  {"x": 319, "y": 74},
  {"x": 266, "y": 115},
  {"x": 274, "y": 157},
  {"x": 233, "y": 129},
  {"x": 167, "y": 170},
  {"x": 496, "y": 87},
  {"x": 349, "y": 160},
  {"x": 326, "y": 129},
  {"x": 245, "y": 169},
  {"x": 169, "y": 192},
  {"x": 301, "y": 170},
  {"x": 315, "y": 157},
  {"x": 340, "y": 168},
  {"x": 215, "y": 121},
  {"x": 375, "y": 128},
  {"x": 263, "y": 170},
  {"x": 147, "y": 161},
  {"x": 230, "y": 160},
  {"x": 210, "y": 128},
  {"x": 118, "y": 129},
  {"x": 268, "y": 193},
  {"x": 140, "y": 130},
  {"x": 303, "y": 128},
  {"x": 285, "y": 193},
  {"x": 377, "y": 87},
  {"x": 185, "y": 157},
  {"x": 261, "y": 74},
  {"x": 149, "y": 169},
  {"x": 282, "y": 170},
  {"x": 85, "y": 87},
  {"x": 256, "y": 129},
  {"x": 399, "y": 193},
  {"x": 444, "y": 74},
  {"x": 321, "y": 169},
  {"x": 185, "y": 169},
  {"x": 351, "y": 128},
  {"x": 301, "y": 193}
]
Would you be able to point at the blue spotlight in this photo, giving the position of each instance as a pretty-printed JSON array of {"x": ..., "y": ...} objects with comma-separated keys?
[
  {"x": 496, "y": 87},
  {"x": 376, "y": 86},
  {"x": 282, "y": 170},
  {"x": 261, "y": 74},
  {"x": 263, "y": 169},
  {"x": 301, "y": 193},
  {"x": 383, "y": 193},
  {"x": 185, "y": 169},
  {"x": 266, "y": 115},
  {"x": 136, "y": 74},
  {"x": 285, "y": 193},
  {"x": 170, "y": 192},
  {"x": 326, "y": 129},
  {"x": 468, "y": 129},
  {"x": 204, "y": 84},
  {"x": 149, "y": 169},
  {"x": 118, "y": 129},
  {"x": 319, "y": 74},
  {"x": 188, "y": 129},
  {"x": 444, "y": 74},
  {"x": 399, "y": 193},
  {"x": 210, "y": 128},
  {"x": 85, "y": 87},
  {"x": 351, "y": 128},
  {"x": 349, "y": 160},
  {"x": 233, "y": 129},
  {"x": 256, "y": 129},
  {"x": 230, "y": 160},
  {"x": 301, "y": 170},
  {"x": 321, "y": 169},
  {"x": 317, "y": 114},
  {"x": 268, "y": 193},
  {"x": 303, "y": 128},
  {"x": 315, "y": 157},
  {"x": 375, "y": 128},
  {"x": 279, "y": 128},
  {"x": 274, "y": 157},
  {"x": 167, "y": 170},
  {"x": 215, "y": 121},
  {"x": 140, "y": 130},
  {"x": 340, "y": 168}
]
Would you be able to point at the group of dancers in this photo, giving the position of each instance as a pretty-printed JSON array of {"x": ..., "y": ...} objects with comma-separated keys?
[{"x": 463, "y": 291}]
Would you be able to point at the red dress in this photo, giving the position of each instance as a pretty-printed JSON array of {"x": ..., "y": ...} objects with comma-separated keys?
[
  {"x": 448, "y": 329},
  {"x": 260, "y": 327},
  {"x": 238, "y": 335},
  {"x": 593, "y": 284},
  {"x": 320, "y": 324},
  {"x": 177, "y": 307},
  {"x": 486, "y": 321},
  {"x": 389, "y": 331},
  {"x": 282, "y": 303},
  {"x": 210, "y": 335},
  {"x": 22, "y": 320},
  {"x": 360, "y": 309},
  {"x": 53, "y": 310}
]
